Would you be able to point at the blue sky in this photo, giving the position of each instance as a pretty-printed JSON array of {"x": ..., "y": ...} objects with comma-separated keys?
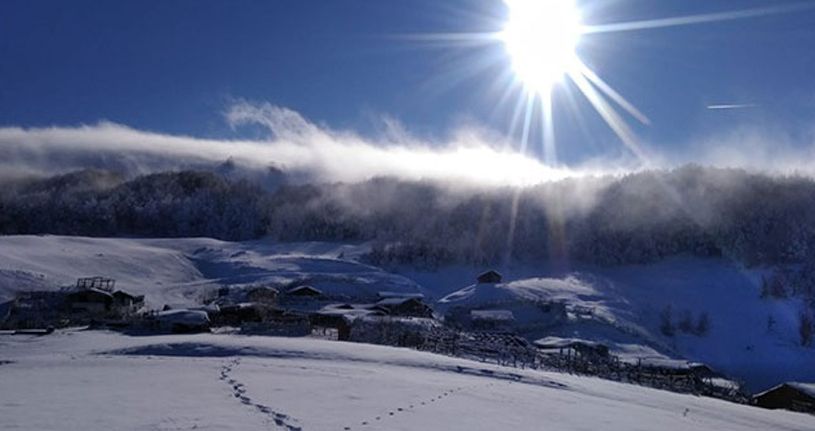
[{"x": 175, "y": 66}]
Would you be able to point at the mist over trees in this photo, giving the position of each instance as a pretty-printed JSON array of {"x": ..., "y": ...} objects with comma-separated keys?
[
  {"x": 638, "y": 218},
  {"x": 101, "y": 203}
]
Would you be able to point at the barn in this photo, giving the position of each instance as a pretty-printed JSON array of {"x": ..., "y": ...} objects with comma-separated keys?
[{"x": 795, "y": 396}]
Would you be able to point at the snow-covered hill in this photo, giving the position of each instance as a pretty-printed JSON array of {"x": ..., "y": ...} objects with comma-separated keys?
[
  {"x": 181, "y": 271},
  {"x": 626, "y": 303},
  {"x": 748, "y": 337},
  {"x": 102, "y": 381}
]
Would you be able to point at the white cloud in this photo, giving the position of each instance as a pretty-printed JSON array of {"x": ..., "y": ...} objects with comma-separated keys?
[
  {"x": 313, "y": 152},
  {"x": 296, "y": 145}
]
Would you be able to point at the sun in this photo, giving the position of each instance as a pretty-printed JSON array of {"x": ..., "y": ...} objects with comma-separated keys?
[{"x": 541, "y": 37}]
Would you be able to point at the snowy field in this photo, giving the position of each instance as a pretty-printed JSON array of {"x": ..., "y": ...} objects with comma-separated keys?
[{"x": 89, "y": 380}]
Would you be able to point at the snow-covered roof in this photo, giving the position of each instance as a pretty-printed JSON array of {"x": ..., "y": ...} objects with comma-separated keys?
[
  {"x": 805, "y": 388},
  {"x": 558, "y": 342},
  {"x": 185, "y": 317},
  {"x": 92, "y": 290},
  {"x": 502, "y": 315},
  {"x": 396, "y": 301},
  {"x": 672, "y": 364},
  {"x": 389, "y": 294},
  {"x": 527, "y": 290},
  {"x": 350, "y": 311}
]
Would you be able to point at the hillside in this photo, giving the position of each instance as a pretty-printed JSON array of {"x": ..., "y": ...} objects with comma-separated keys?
[
  {"x": 183, "y": 271},
  {"x": 625, "y": 304}
]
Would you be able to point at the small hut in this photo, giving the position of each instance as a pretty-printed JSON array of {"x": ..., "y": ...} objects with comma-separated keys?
[
  {"x": 490, "y": 276},
  {"x": 799, "y": 397}
]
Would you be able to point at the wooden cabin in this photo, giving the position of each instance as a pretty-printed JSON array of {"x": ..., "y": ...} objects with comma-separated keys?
[{"x": 799, "y": 397}]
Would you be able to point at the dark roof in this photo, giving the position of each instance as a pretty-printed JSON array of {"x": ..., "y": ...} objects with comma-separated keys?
[
  {"x": 263, "y": 289},
  {"x": 122, "y": 293},
  {"x": 807, "y": 389},
  {"x": 557, "y": 342},
  {"x": 100, "y": 294},
  {"x": 490, "y": 276},
  {"x": 304, "y": 290}
]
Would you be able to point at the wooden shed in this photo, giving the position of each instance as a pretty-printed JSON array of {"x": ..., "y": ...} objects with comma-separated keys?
[{"x": 799, "y": 397}]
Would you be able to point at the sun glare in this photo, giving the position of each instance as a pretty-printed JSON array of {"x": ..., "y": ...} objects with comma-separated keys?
[{"x": 541, "y": 37}]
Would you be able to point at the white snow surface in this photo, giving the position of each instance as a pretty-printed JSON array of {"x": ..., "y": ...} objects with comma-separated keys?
[{"x": 91, "y": 380}]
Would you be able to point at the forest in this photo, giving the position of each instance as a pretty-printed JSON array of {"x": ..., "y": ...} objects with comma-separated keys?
[{"x": 640, "y": 217}]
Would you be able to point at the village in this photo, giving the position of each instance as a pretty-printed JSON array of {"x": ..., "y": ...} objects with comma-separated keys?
[{"x": 487, "y": 334}]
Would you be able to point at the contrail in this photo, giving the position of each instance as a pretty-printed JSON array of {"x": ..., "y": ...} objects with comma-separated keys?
[
  {"x": 698, "y": 19},
  {"x": 733, "y": 106}
]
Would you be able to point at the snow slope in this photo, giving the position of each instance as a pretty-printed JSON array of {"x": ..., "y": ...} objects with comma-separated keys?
[
  {"x": 626, "y": 304},
  {"x": 101, "y": 381}
]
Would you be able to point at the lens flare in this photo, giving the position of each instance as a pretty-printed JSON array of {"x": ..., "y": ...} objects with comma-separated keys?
[{"x": 541, "y": 38}]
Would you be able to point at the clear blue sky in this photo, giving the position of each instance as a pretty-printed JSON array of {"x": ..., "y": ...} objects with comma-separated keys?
[{"x": 173, "y": 66}]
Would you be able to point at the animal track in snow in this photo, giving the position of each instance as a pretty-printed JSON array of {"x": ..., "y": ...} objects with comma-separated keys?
[
  {"x": 412, "y": 407},
  {"x": 239, "y": 391}
]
